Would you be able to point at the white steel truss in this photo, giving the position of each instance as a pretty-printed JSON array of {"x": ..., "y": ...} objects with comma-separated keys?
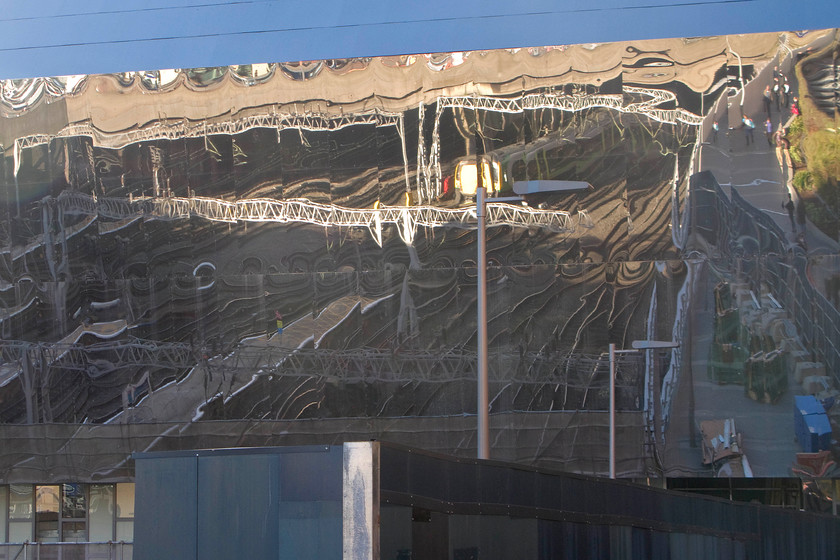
[
  {"x": 74, "y": 356},
  {"x": 561, "y": 102},
  {"x": 657, "y": 97},
  {"x": 41, "y": 358},
  {"x": 574, "y": 103},
  {"x": 406, "y": 218},
  {"x": 176, "y": 130}
]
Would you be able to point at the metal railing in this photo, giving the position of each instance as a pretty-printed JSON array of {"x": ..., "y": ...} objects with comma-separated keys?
[
  {"x": 67, "y": 551},
  {"x": 758, "y": 248}
]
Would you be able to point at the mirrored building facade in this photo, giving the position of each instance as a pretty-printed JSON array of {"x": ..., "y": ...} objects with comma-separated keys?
[{"x": 285, "y": 254}]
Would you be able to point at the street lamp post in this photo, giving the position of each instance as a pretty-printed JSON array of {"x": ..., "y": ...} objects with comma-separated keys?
[
  {"x": 481, "y": 200},
  {"x": 483, "y": 401},
  {"x": 483, "y": 395},
  {"x": 637, "y": 345}
]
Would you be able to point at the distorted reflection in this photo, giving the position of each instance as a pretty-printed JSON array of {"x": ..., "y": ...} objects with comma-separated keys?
[{"x": 277, "y": 242}]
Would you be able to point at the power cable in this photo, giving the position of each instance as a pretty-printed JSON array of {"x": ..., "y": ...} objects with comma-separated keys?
[{"x": 138, "y": 10}]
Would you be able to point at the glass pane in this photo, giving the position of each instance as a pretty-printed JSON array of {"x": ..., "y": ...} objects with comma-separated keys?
[
  {"x": 125, "y": 500},
  {"x": 46, "y": 499},
  {"x": 46, "y": 513},
  {"x": 101, "y": 512},
  {"x": 20, "y": 501},
  {"x": 4, "y": 512},
  {"x": 73, "y": 531},
  {"x": 20, "y": 531},
  {"x": 73, "y": 505},
  {"x": 125, "y": 531}
]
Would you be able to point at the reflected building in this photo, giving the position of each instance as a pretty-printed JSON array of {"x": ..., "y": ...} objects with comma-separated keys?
[{"x": 285, "y": 253}]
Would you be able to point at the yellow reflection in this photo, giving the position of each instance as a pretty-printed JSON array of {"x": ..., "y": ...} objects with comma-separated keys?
[
  {"x": 46, "y": 499},
  {"x": 465, "y": 176}
]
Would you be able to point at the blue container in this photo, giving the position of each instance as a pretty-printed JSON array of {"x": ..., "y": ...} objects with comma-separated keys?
[
  {"x": 818, "y": 436},
  {"x": 805, "y": 406},
  {"x": 808, "y": 404}
]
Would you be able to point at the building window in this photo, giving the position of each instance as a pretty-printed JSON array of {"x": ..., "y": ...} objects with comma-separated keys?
[
  {"x": 125, "y": 512},
  {"x": 21, "y": 500},
  {"x": 101, "y": 512},
  {"x": 60, "y": 513},
  {"x": 111, "y": 512},
  {"x": 4, "y": 512},
  {"x": 52, "y": 513},
  {"x": 73, "y": 513},
  {"x": 46, "y": 513}
]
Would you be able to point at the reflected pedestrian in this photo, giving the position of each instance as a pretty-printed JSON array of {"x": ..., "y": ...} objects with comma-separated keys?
[
  {"x": 786, "y": 92},
  {"x": 749, "y": 128},
  {"x": 765, "y": 98},
  {"x": 278, "y": 318},
  {"x": 790, "y": 207}
]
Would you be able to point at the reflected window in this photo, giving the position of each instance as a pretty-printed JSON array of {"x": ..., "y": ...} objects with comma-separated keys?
[
  {"x": 110, "y": 512},
  {"x": 206, "y": 76},
  {"x": 73, "y": 513},
  {"x": 20, "y": 501},
  {"x": 20, "y": 512},
  {"x": 46, "y": 513},
  {"x": 4, "y": 511},
  {"x": 125, "y": 512},
  {"x": 60, "y": 513},
  {"x": 73, "y": 504},
  {"x": 252, "y": 73},
  {"x": 101, "y": 512}
]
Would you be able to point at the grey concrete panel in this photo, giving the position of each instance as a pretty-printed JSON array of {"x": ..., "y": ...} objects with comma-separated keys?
[{"x": 165, "y": 516}]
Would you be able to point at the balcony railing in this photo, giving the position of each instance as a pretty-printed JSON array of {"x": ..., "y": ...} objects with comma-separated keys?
[{"x": 66, "y": 551}]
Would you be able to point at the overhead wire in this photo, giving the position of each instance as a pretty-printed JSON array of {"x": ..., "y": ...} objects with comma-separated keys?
[{"x": 139, "y": 10}]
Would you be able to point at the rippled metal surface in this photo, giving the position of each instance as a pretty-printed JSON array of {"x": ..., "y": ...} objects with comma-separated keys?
[
  {"x": 822, "y": 72},
  {"x": 156, "y": 224}
]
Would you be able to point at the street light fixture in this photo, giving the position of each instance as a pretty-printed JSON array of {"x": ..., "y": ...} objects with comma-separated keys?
[{"x": 637, "y": 345}]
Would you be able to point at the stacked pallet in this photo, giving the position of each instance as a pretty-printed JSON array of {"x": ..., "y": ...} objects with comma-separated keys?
[{"x": 722, "y": 448}]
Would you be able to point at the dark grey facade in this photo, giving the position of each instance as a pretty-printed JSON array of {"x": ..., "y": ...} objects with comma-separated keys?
[
  {"x": 261, "y": 503},
  {"x": 374, "y": 500}
]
